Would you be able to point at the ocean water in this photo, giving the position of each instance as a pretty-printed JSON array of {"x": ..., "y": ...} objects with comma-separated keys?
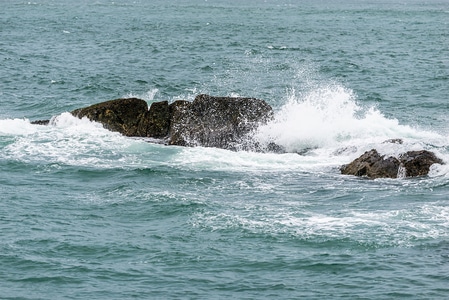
[{"x": 89, "y": 214}]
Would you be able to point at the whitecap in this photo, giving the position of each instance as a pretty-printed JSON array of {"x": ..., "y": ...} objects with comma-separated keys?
[
  {"x": 328, "y": 121},
  {"x": 67, "y": 140},
  {"x": 16, "y": 127}
]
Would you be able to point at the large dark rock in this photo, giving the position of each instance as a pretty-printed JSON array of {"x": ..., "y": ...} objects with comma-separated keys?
[
  {"x": 373, "y": 165},
  {"x": 221, "y": 122}
]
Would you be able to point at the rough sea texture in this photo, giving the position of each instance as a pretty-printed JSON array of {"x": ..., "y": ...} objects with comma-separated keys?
[{"x": 89, "y": 214}]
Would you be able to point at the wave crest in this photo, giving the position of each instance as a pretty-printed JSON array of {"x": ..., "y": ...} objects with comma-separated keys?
[{"x": 331, "y": 117}]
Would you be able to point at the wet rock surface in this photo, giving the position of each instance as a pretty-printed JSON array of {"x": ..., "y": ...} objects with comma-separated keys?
[
  {"x": 155, "y": 123},
  {"x": 409, "y": 164},
  {"x": 121, "y": 115},
  {"x": 221, "y": 122},
  {"x": 417, "y": 163}
]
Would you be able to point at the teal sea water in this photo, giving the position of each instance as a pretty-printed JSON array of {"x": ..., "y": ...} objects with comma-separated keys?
[{"x": 89, "y": 214}]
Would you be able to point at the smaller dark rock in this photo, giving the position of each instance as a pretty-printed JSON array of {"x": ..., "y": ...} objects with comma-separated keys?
[
  {"x": 417, "y": 163},
  {"x": 40, "y": 122},
  {"x": 371, "y": 164},
  {"x": 410, "y": 164}
]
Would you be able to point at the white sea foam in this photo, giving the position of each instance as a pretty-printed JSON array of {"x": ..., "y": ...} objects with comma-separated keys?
[
  {"x": 200, "y": 158},
  {"x": 66, "y": 140},
  {"x": 328, "y": 120},
  {"x": 13, "y": 127},
  {"x": 401, "y": 227}
]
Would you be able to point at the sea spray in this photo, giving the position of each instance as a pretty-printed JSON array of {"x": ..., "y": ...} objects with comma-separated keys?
[
  {"x": 312, "y": 121},
  {"x": 148, "y": 96},
  {"x": 329, "y": 118}
]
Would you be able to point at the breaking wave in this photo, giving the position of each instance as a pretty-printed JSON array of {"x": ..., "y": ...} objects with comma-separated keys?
[
  {"x": 330, "y": 119},
  {"x": 326, "y": 125}
]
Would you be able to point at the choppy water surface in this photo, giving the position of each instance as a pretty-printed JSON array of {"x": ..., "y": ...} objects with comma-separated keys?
[{"x": 87, "y": 213}]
